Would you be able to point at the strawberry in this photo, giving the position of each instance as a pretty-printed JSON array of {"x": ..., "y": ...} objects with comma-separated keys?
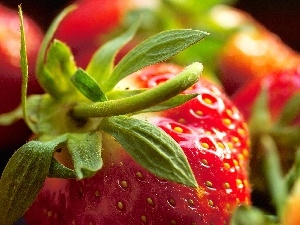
[
  {"x": 156, "y": 145},
  {"x": 215, "y": 143},
  {"x": 10, "y": 74},
  {"x": 91, "y": 21},
  {"x": 252, "y": 52},
  {"x": 270, "y": 106}
]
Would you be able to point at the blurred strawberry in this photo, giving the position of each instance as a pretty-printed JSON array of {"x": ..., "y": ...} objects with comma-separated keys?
[
  {"x": 10, "y": 72},
  {"x": 253, "y": 52}
]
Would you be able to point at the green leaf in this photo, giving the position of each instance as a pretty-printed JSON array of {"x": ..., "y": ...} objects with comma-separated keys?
[
  {"x": 88, "y": 86},
  {"x": 24, "y": 176},
  {"x": 274, "y": 175},
  {"x": 102, "y": 62},
  {"x": 189, "y": 76},
  {"x": 60, "y": 67},
  {"x": 153, "y": 50},
  {"x": 44, "y": 77},
  {"x": 58, "y": 170},
  {"x": 85, "y": 149},
  {"x": 294, "y": 173},
  {"x": 171, "y": 103},
  {"x": 246, "y": 215},
  {"x": 151, "y": 147},
  {"x": 24, "y": 68}
]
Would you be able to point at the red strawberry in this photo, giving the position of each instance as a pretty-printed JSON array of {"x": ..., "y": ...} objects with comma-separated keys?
[
  {"x": 270, "y": 104},
  {"x": 213, "y": 136},
  {"x": 251, "y": 53},
  {"x": 92, "y": 20},
  {"x": 10, "y": 73},
  {"x": 141, "y": 147}
]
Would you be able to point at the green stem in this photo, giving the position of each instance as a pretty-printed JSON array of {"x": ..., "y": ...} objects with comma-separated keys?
[{"x": 151, "y": 97}]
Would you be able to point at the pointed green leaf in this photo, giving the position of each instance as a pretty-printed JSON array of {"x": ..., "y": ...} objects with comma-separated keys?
[
  {"x": 44, "y": 77},
  {"x": 294, "y": 173},
  {"x": 274, "y": 175},
  {"x": 88, "y": 86},
  {"x": 85, "y": 149},
  {"x": 58, "y": 170},
  {"x": 60, "y": 66},
  {"x": 151, "y": 148},
  {"x": 23, "y": 178},
  {"x": 153, "y": 50},
  {"x": 102, "y": 62},
  {"x": 24, "y": 68}
]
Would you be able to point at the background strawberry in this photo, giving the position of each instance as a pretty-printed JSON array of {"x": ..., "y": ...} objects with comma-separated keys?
[
  {"x": 10, "y": 76},
  {"x": 251, "y": 53},
  {"x": 270, "y": 105},
  {"x": 214, "y": 138}
]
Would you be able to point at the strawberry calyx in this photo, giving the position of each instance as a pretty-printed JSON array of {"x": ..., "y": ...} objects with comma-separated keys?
[{"x": 81, "y": 105}]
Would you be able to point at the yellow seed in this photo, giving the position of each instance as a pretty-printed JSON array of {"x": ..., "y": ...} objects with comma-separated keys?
[
  {"x": 235, "y": 139},
  {"x": 124, "y": 184},
  {"x": 241, "y": 131},
  {"x": 178, "y": 129},
  {"x": 230, "y": 145},
  {"x": 139, "y": 174},
  {"x": 226, "y": 185},
  {"x": 226, "y": 166},
  {"x": 241, "y": 157},
  {"x": 226, "y": 122},
  {"x": 172, "y": 201},
  {"x": 173, "y": 222},
  {"x": 207, "y": 101},
  {"x": 239, "y": 183},
  {"x": 208, "y": 184},
  {"x": 235, "y": 162},
  {"x": 97, "y": 193},
  {"x": 120, "y": 205},
  {"x": 245, "y": 152},
  {"x": 199, "y": 113},
  {"x": 144, "y": 218},
  {"x": 190, "y": 202},
  {"x": 204, "y": 145},
  {"x": 181, "y": 120},
  {"x": 204, "y": 162},
  {"x": 150, "y": 201},
  {"x": 229, "y": 112},
  {"x": 210, "y": 202},
  {"x": 221, "y": 145}
]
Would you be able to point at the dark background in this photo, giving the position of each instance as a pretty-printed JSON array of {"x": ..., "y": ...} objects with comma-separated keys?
[{"x": 280, "y": 16}]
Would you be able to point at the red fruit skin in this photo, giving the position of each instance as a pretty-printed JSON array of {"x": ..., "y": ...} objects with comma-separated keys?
[
  {"x": 10, "y": 71},
  {"x": 90, "y": 21},
  {"x": 214, "y": 137}
]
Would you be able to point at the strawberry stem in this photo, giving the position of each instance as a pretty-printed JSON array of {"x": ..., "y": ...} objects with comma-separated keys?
[{"x": 143, "y": 100}]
